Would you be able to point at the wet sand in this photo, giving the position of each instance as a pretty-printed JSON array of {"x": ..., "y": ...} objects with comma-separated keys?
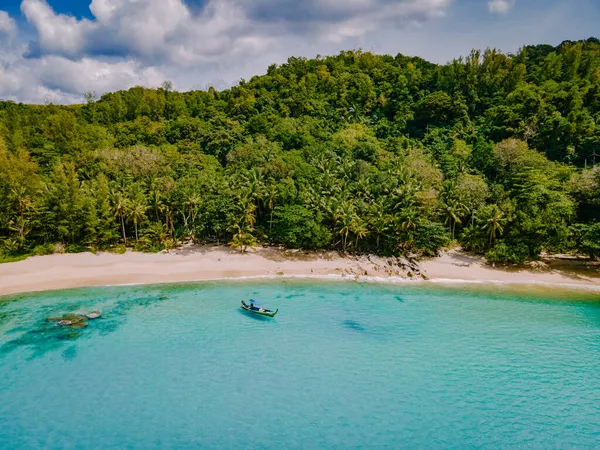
[{"x": 194, "y": 263}]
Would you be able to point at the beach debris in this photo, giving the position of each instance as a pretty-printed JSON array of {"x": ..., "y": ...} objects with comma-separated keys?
[{"x": 537, "y": 265}]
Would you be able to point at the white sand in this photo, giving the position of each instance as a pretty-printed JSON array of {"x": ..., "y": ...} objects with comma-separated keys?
[{"x": 204, "y": 263}]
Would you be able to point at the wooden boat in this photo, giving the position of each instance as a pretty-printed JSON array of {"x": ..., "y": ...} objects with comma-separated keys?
[{"x": 257, "y": 310}]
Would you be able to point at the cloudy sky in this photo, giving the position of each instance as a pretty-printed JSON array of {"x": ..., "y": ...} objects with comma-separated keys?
[{"x": 55, "y": 50}]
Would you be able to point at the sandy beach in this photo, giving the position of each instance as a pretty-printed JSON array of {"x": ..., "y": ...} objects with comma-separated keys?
[{"x": 61, "y": 271}]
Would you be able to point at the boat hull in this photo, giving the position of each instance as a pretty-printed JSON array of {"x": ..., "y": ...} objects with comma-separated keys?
[{"x": 265, "y": 313}]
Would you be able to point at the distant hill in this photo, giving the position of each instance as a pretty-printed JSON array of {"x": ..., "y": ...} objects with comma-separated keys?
[{"x": 357, "y": 151}]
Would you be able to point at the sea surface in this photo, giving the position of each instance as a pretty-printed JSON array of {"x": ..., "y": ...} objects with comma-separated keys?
[{"x": 342, "y": 365}]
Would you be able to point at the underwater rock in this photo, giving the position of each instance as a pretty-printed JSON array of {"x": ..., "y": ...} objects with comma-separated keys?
[{"x": 69, "y": 320}]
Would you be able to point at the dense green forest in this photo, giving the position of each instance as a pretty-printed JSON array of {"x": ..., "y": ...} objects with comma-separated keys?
[{"x": 356, "y": 152}]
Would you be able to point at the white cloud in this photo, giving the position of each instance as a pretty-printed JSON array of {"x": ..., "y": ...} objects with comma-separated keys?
[
  {"x": 161, "y": 31},
  {"x": 500, "y": 6},
  {"x": 62, "y": 80},
  {"x": 154, "y": 31},
  {"x": 56, "y": 33},
  {"x": 143, "y": 42},
  {"x": 7, "y": 25}
]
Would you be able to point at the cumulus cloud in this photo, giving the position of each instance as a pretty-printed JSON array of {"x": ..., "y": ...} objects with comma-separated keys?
[
  {"x": 167, "y": 31},
  {"x": 60, "y": 80},
  {"x": 336, "y": 19},
  {"x": 129, "y": 42},
  {"x": 500, "y": 6},
  {"x": 7, "y": 25},
  {"x": 153, "y": 31}
]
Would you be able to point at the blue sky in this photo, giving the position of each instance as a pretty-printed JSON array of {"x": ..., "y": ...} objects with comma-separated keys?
[{"x": 55, "y": 50}]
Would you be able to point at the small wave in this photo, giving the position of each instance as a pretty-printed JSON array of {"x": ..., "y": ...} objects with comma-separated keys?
[
  {"x": 383, "y": 280},
  {"x": 591, "y": 287}
]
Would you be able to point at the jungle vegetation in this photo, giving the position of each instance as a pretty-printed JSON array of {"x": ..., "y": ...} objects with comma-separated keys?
[{"x": 498, "y": 153}]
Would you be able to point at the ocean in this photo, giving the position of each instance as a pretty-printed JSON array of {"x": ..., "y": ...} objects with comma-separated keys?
[{"x": 342, "y": 365}]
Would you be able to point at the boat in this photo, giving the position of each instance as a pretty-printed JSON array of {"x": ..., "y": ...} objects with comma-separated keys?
[
  {"x": 255, "y": 309},
  {"x": 93, "y": 315}
]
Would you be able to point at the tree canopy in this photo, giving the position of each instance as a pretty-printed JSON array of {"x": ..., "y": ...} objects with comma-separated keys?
[{"x": 356, "y": 152}]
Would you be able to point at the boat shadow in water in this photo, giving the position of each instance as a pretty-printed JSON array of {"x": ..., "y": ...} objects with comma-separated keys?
[{"x": 353, "y": 325}]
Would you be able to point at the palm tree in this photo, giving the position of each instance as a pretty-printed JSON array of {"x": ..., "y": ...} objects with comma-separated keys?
[
  {"x": 472, "y": 239},
  {"x": 345, "y": 223},
  {"x": 137, "y": 213},
  {"x": 155, "y": 233},
  {"x": 255, "y": 186},
  {"x": 120, "y": 209},
  {"x": 190, "y": 209},
  {"x": 156, "y": 202},
  {"x": 359, "y": 228},
  {"x": 242, "y": 224},
  {"x": 379, "y": 222},
  {"x": 408, "y": 219},
  {"x": 242, "y": 237},
  {"x": 247, "y": 209},
  {"x": 493, "y": 224},
  {"x": 452, "y": 210},
  {"x": 25, "y": 204},
  {"x": 271, "y": 196}
]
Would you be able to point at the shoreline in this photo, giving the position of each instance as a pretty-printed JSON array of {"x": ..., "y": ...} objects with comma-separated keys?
[{"x": 215, "y": 263}]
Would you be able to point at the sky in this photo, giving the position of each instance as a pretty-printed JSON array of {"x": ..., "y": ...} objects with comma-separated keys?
[{"x": 56, "y": 50}]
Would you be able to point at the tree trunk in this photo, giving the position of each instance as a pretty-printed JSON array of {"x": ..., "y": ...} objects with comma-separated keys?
[
  {"x": 123, "y": 227},
  {"x": 136, "y": 233},
  {"x": 185, "y": 223}
]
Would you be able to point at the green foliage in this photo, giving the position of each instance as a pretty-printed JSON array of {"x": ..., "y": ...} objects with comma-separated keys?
[
  {"x": 117, "y": 249},
  {"x": 429, "y": 240},
  {"x": 296, "y": 227},
  {"x": 586, "y": 239},
  {"x": 43, "y": 249},
  {"x": 473, "y": 239},
  {"x": 76, "y": 248},
  {"x": 357, "y": 152},
  {"x": 503, "y": 253},
  {"x": 4, "y": 258}
]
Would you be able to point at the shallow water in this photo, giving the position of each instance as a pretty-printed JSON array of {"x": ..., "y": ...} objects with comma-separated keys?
[{"x": 343, "y": 365}]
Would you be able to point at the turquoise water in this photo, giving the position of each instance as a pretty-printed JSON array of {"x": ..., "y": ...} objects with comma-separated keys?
[{"x": 343, "y": 365}]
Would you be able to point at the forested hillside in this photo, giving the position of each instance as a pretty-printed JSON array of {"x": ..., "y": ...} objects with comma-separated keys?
[{"x": 356, "y": 152}]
